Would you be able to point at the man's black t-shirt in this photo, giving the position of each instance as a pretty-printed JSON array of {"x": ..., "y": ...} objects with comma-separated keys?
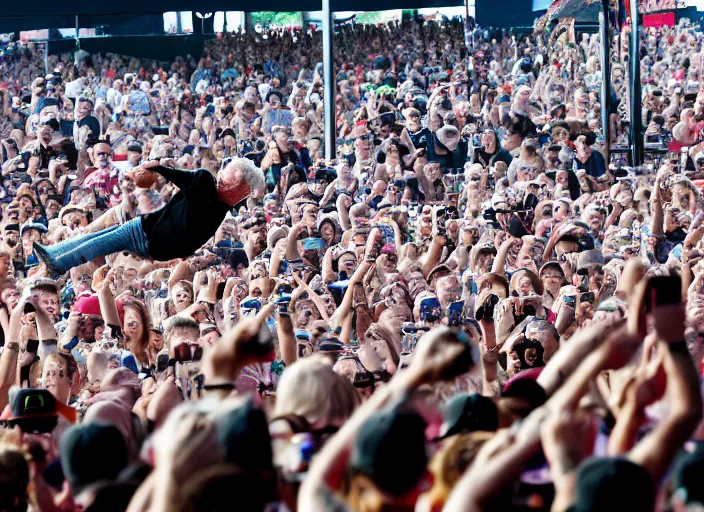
[{"x": 189, "y": 219}]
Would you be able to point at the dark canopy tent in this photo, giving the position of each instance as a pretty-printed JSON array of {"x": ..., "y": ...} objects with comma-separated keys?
[
  {"x": 19, "y": 10},
  {"x": 135, "y": 17},
  {"x": 121, "y": 24}
]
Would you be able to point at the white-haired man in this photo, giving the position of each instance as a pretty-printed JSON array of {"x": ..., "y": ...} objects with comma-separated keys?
[{"x": 177, "y": 230}]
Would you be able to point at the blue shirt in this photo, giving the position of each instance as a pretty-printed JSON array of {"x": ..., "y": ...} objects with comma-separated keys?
[{"x": 595, "y": 164}]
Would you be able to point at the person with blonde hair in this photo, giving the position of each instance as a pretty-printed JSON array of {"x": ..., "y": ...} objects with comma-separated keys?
[
  {"x": 329, "y": 398},
  {"x": 313, "y": 416}
]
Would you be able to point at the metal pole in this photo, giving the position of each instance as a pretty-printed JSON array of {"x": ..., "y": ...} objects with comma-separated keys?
[
  {"x": 78, "y": 40},
  {"x": 605, "y": 76},
  {"x": 636, "y": 96},
  {"x": 46, "y": 57},
  {"x": 329, "y": 81},
  {"x": 467, "y": 30}
]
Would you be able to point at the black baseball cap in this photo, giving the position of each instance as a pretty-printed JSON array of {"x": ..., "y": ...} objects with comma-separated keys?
[
  {"x": 390, "y": 449},
  {"x": 53, "y": 123},
  {"x": 467, "y": 413},
  {"x": 524, "y": 386},
  {"x": 92, "y": 453},
  {"x": 35, "y": 410},
  {"x": 243, "y": 434},
  {"x": 135, "y": 147},
  {"x": 613, "y": 484}
]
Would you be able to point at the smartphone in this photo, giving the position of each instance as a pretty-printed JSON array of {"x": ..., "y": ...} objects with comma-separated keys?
[
  {"x": 570, "y": 300},
  {"x": 587, "y": 297},
  {"x": 162, "y": 362},
  {"x": 470, "y": 286},
  {"x": 313, "y": 244},
  {"x": 262, "y": 343},
  {"x": 440, "y": 216},
  {"x": 454, "y": 313},
  {"x": 410, "y": 334},
  {"x": 32, "y": 346},
  {"x": 663, "y": 291},
  {"x": 583, "y": 274},
  {"x": 430, "y": 310},
  {"x": 283, "y": 301},
  {"x": 387, "y": 234},
  {"x": 486, "y": 310}
]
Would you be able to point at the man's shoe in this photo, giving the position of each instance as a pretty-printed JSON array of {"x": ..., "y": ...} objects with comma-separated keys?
[{"x": 43, "y": 256}]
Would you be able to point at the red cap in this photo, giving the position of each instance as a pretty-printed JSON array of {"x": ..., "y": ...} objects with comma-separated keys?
[{"x": 87, "y": 305}]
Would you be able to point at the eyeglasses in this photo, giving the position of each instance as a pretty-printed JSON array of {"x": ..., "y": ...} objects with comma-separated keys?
[
  {"x": 102, "y": 153},
  {"x": 552, "y": 276}
]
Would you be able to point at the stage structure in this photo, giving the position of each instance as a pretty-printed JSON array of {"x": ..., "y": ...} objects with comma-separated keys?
[
  {"x": 590, "y": 11},
  {"x": 613, "y": 16}
]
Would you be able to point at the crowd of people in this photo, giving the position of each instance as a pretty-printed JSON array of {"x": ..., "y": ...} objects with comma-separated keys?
[{"x": 200, "y": 312}]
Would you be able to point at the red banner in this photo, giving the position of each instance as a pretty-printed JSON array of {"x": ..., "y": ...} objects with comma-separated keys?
[{"x": 659, "y": 20}]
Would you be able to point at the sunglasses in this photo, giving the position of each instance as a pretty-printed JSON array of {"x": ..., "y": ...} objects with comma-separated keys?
[
  {"x": 102, "y": 153},
  {"x": 186, "y": 352}
]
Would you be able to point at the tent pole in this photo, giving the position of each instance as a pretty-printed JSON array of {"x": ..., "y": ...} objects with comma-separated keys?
[
  {"x": 78, "y": 39},
  {"x": 636, "y": 96},
  {"x": 605, "y": 76},
  {"x": 329, "y": 81}
]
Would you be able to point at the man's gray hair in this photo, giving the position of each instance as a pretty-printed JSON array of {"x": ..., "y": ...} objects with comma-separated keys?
[{"x": 252, "y": 173}]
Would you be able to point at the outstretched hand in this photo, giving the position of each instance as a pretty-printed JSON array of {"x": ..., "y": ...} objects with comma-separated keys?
[
  {"x": 237, "y": 348},
  {"x": 142, "y": 175}
]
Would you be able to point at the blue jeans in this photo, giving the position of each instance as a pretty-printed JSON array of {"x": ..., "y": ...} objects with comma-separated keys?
[{"x": 62, "y": 257}]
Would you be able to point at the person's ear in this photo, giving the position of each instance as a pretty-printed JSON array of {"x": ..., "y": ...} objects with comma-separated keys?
[{"x": 75, "y": 384}]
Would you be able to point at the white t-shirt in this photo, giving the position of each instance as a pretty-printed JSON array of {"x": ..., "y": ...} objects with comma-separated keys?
[{"x": 74, "y": 89}]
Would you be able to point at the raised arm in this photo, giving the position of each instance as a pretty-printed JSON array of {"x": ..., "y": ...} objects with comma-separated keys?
[
  {"x": 313, "y": 296},
  {"x": 657, "y": 450},
  {"x": 436, "y": 353},
  {"x": 182, "y": 179},
  {"x": 499, "y": 265},
  {"x": 108, "y": 308},
  {"x": 656, "y": 207},
  {"x": 292, "y": 252}
]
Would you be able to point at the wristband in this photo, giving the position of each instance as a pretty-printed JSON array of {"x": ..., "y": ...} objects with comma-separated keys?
[{"x": 226, "y": 386}]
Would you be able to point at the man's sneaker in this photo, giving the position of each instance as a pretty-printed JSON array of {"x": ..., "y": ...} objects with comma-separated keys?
[{"x": 52, "y": 269}]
